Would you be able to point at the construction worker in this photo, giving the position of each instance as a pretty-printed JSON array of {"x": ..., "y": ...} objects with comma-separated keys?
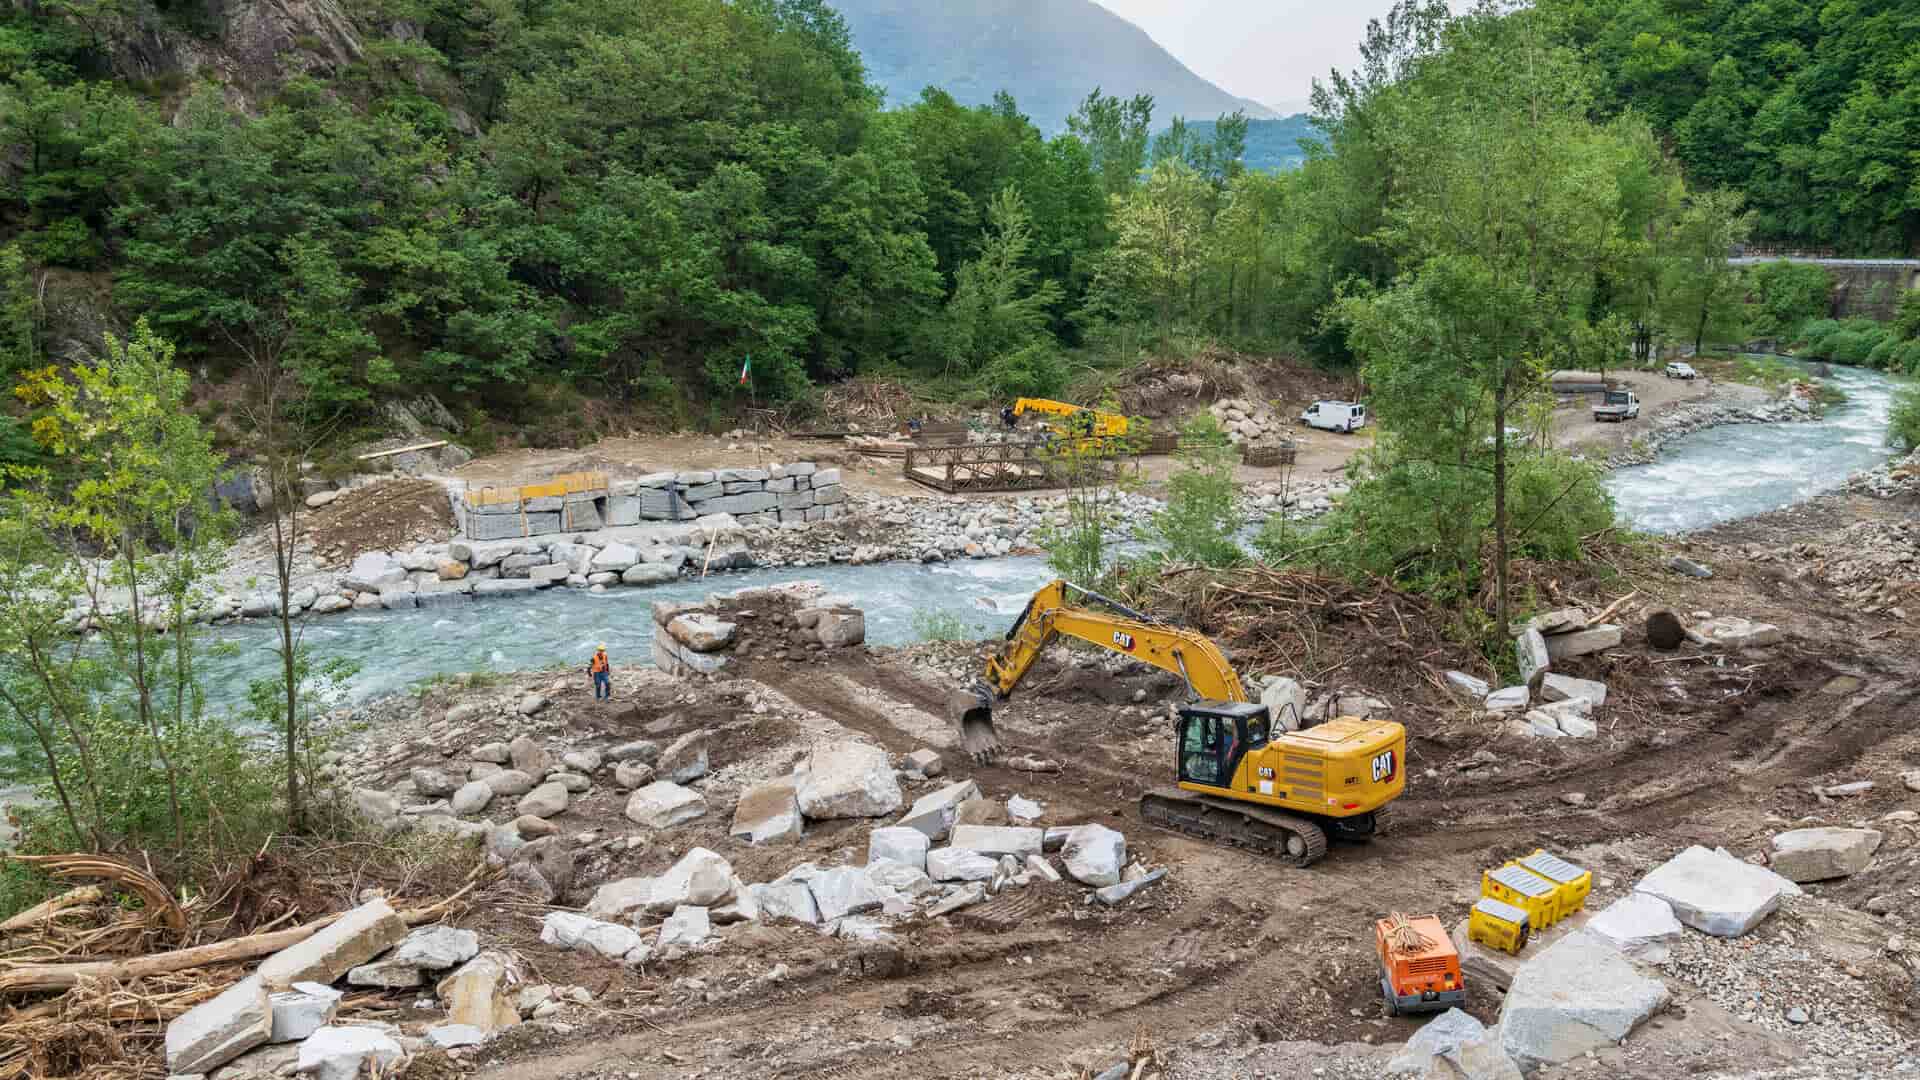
[{"x": 602, "y": 673}]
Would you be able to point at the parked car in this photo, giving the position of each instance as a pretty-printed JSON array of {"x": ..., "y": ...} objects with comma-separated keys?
[
  {"x": 1681, "y": 371},
  {"x": 1347, "y": 416},
  {"x": 1618, "y": 405}
]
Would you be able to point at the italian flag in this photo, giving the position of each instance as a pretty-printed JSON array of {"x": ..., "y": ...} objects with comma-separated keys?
[{"x": 746, "y": 367}]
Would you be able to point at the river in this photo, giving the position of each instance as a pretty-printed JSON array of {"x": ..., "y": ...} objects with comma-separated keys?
[
  {"x": 1740, "y": 470},
  {"x": 1700, "y": 480}
]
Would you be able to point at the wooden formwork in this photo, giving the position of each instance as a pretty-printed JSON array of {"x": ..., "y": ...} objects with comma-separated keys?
[{"x": 995, "y": 466}]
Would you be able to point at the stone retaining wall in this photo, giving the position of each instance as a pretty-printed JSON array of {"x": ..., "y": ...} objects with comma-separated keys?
[{"x": 773, "y": 495}]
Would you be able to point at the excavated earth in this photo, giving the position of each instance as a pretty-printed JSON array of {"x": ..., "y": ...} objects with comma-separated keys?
[{"x": 1235, "y": 966}]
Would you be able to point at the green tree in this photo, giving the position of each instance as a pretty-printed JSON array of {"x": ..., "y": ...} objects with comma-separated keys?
[
  {"x": 1705, "y": 296},
  {"x": 1000, "y": 307},
  {"x": 131, "y": 481},
  {"x": 1116, "y": 132}
]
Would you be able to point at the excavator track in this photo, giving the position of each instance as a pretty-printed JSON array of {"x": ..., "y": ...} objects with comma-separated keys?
[{"x": 1292, "y": 840}]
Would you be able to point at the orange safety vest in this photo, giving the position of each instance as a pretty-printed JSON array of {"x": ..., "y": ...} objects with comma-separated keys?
[{"x": 599, "y": 664}]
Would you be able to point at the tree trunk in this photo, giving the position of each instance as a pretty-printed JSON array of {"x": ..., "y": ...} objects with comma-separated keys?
[{"x": 1500, "y": 499}]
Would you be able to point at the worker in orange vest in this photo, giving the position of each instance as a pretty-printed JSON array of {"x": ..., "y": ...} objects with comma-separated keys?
[{"x": 602, "y": 673}]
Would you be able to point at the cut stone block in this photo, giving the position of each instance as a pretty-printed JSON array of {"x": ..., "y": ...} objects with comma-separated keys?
[
  {"x": 1582, "y": 642},
  {"x": 1639, "y": 925},
  {"x": 1566, "y": 688},
  {"x": 352, "y": 940},
  {"x": 1095, "y": 855},
  {"x": 340, "y": 1053},
  {"x": 769, "y": 813},
  {"x": 1454, "y": 1044},
  {"x": 686, "y": 928},
  {"x": 663, "y": 804},
  {"x": 787, "y": 900},
  {"x": 935, "y": 812},
  {"x": 1508, "y": 699},
  {"x": 898, "y": 843},
  {"x": 998, "y": 840},
  {"x": 1716, "y": 893},
  {"x": 479, "y": 993},
  {"x": 844, "y": 891},
  {"x": 1466, "y": 686},
  {"x": 958, "y": 864},
  {"x": 1577, "y": 996},
  {"x": 849, "y": 780},
  {"x": 221, "y": 1028},
  {"x": 1531, "y": 648},
  {"x": 303, "y": 1010}
]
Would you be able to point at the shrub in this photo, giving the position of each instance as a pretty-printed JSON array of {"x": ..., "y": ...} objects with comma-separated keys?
[
  {"x": 1882, "y": 355},
  {"x": 1903, "y": 424},
  {"x": 1906, "y": 358},
  {"x": 1906, "y": 322},
  {"x": 1035, "y": 371},
  {"x": 1200, "y": 519},
  {"x": 940, "y": 626}
]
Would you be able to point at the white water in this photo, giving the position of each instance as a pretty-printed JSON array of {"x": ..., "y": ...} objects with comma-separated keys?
[
  {"x": 1740, "y": 470},
  {"x": 1706, "y": 478}
]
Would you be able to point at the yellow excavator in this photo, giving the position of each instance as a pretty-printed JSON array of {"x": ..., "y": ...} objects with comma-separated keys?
[
  {"x": 1244, "y": 777},
  {"x": 1076, "y": 421}
]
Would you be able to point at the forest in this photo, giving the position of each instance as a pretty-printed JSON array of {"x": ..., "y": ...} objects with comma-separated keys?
[{"x": 531, "y": 205}]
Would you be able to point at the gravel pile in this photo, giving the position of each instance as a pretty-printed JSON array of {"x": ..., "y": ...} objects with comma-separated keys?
[{"x": 1777, "y": 983}]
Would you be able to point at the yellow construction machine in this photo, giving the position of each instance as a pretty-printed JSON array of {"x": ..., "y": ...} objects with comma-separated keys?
[
  {"x": 1076, "y": 421},
  {"x": 1245, "y": 778}
]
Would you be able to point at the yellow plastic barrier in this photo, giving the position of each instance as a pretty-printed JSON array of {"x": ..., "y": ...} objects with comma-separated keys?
[
  {"x": 1539, "y": 898},
  {"x": 1498, "y": 925},
  {"x": 1572, "y": 882}
]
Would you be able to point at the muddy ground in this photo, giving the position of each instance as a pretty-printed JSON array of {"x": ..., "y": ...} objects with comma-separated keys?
[{"x": 1235, "y": 966}]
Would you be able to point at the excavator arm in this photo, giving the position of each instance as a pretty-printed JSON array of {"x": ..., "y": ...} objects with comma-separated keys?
[{"x": 1049, "y": 615}]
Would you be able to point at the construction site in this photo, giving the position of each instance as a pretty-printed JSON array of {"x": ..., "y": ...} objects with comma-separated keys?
[{"x": 1260, "y": 823}]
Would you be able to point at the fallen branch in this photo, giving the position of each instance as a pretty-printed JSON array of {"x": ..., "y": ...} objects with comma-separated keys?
[
  {"x": 402, "y": 450},
  {"x": 20, "y": 978},
  {"x": 159, "y": 901},
  {"x": 1611, "y": 608},
  {"x": 78, "y": 896}
]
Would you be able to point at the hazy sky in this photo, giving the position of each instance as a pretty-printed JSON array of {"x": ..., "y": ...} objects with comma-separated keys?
[{"x": 1267, "y": 50}]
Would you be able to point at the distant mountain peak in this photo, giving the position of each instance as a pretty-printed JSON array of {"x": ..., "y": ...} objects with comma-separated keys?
[{"x": 1049, "y": 54}]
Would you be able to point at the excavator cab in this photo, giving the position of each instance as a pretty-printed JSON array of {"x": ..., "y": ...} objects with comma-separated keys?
[{"x": 1214, "y": 735}]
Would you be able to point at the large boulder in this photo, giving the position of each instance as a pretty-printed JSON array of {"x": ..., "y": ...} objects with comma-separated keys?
[
  {"x": 545, "y": 801},
  {"x": 687, "y": 928},
  {"x": 844, "y": 891},
  {"x": 1095, "y": 855},
  {"x": 1823, "y": 853},
  {"x": 480, "y": 993},
  {"x": 570, "y": 931},
  {"x": 1452, "y": 1045},
  {"x": 848, "y": 780},
  {"x": 663, "y": 804},
  {"x": 1716, "y": 893},
  {"x": 436, "y": 948},
  {"x": 433, "y": 783},
  {"x": 530, "y": 757},
  {"x": 1286, "y": 702},
  {"x": 685, "y": 759},
  {"x": 702, "y": 632},
  {"x": 1578, "y": 995},
  {"x": 841, "y": 629},
  {"x": 787, "y": 900},
  {"x": 769, "y": 813},
  {"x": 615, "y": 558},
  {"x": 701, "y": 878}
]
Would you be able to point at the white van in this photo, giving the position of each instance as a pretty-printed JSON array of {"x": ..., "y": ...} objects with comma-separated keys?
[{"x": 1346, "y": 416}]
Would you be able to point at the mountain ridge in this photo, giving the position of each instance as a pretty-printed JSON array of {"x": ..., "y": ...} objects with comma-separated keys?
[{"x": 1049, "y": 54}]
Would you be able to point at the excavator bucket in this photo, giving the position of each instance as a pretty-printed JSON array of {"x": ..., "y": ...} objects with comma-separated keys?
[{"x": 972, "y": 712}]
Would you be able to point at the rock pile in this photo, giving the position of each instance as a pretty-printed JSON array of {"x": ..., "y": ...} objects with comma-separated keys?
[
  {"x": 780, "y": 621},
  {"x": 1566, "y": 705},
  {"x": 1248, "y": 421},
  {"x": 292, "y": 999}
]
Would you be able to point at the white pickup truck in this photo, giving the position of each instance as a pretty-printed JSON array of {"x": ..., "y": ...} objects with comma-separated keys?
[{"x": 1617, "y": 405}]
